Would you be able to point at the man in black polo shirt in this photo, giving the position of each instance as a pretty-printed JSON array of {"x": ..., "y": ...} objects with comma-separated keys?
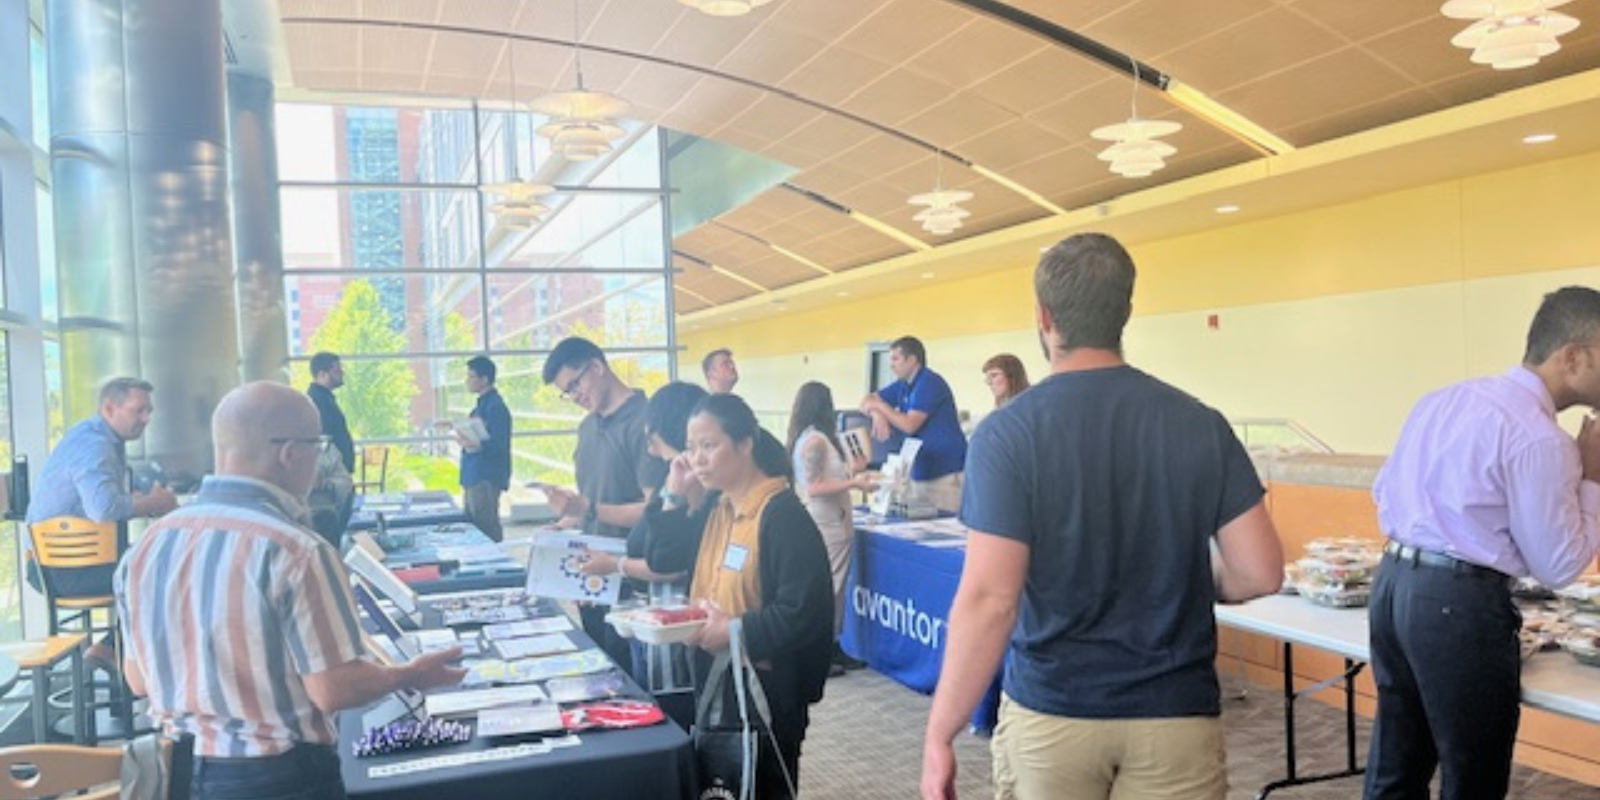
[{"x": 615, "y": 473}]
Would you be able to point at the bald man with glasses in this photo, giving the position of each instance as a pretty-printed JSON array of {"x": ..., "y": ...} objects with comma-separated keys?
[{"x": 240, "y": 625}]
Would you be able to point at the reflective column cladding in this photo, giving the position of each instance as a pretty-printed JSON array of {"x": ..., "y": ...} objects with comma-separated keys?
[
  {"x": 257, "y": 228},
  {"x": 139, "y": 167}
]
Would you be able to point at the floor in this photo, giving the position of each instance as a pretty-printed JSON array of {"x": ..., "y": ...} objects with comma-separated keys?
[{"x": 851, "y": 753}]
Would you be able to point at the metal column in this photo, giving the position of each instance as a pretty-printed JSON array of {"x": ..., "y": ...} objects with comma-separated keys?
[
  {"x": 257, "y": 228},
  {"x": 139, "y": 170}
]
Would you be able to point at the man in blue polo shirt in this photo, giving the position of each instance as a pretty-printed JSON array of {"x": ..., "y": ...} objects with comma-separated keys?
[{"x": 920, "y": 404}]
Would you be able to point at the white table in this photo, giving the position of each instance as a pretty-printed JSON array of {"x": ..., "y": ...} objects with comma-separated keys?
[{"x": 1551, "y": 681}]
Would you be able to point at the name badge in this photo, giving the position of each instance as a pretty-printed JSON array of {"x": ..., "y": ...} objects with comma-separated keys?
[{"x": 735, "y": 556}]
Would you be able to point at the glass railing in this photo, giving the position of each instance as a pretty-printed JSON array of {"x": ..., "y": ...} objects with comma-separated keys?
[{"x": 1277, "y": 433}]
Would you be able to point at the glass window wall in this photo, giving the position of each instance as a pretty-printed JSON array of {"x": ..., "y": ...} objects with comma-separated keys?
[{"x": 396, "y": 259}]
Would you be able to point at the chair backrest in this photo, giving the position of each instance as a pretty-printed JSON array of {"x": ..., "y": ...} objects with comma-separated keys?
[
  {"x": 68, "y": 542},
  {"x": 47, "y": 770},
  {"x": 374, "y": 460}
]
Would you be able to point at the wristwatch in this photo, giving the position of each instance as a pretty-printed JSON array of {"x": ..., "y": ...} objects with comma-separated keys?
[
  {"x": 622, "y": 571},
  {"x": 589, "y": 515},
  {"x": 672, "y": 500}
]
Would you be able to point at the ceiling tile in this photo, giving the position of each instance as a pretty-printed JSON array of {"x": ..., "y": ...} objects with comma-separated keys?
[
  {"x": 660, "y": 88},
  {"x": 896, "y": 96},
  {"x": 455, "y": 86},
  {"x": 1150, "y": 28},
  {"x": 770, "y": 55},
  {"x": 1261, "y": 45},
  {"x": 1104, "y": 103},
  {"x": 461, "y": 55},
  {"x": 880, "y": 153},
  {"x": 1334, "y": 83},
  {"x": 399, "y": 10},
  {"x": 960, "y": 117},
  {"x": 1039, "y": 80},
  {"x": 772, "y": 117},
  {"x": 904, "y": 28},
  {"x": 977, "y": 52},
  {"x": 823, "y": 19},
  {"x": 834, "y": 75},
  {"x": 375, "y": 81},
  {"x": 703, "y": 39},
  {"x": 1360, "y": 21},
  {"x": 829, "y": 179},
  {"x": 828, "y": 136},
  {"x": 395, "y": 50},
  {"x": 631, "y": 26},
  {"x": 1012, "y": 143},
  {"x": 322, "y": 46}
]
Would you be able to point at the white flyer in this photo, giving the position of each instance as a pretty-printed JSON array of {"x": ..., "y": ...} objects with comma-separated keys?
[{"x": 555, "y": 565}]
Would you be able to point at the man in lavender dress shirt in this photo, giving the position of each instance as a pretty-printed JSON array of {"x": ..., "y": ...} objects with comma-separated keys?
[{"x": 1483, "y": 486}]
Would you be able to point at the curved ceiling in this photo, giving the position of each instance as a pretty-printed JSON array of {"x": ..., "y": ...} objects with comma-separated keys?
[{"x": 861, "y": 94}]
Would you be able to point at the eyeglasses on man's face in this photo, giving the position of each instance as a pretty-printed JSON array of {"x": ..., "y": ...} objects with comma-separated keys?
[
  {"x": 571, "y": 389},
  {"x": 320, "y": 442}
]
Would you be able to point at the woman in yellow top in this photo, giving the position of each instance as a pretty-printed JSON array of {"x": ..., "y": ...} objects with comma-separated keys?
[{"x": 757, "y": 556}]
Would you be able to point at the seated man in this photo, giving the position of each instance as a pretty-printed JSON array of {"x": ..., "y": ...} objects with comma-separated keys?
[
  {"x": 240, "y": 624},
  {"x": 87, "y": 476}
]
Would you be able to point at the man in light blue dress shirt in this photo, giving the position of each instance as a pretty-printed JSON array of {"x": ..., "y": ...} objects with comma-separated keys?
[
  {"x": 1483, "y": 487},
  {"x": 87, "y": 476}
]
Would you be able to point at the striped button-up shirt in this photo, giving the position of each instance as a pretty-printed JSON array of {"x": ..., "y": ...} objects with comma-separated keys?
[{"x": 225, "y": 605}]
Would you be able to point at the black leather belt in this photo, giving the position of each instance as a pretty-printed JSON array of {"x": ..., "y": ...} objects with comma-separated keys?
[{"x": 1427, "y": 558}]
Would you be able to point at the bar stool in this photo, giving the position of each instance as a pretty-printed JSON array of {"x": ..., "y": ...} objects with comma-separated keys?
[{"x": 76, "y": 543}]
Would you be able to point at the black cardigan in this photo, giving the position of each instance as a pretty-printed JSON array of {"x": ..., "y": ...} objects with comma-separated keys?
[{"x": 793, "y": 629}]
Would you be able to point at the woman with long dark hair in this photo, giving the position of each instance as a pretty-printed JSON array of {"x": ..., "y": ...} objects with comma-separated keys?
[
  {"x": 666, "y": 425},
  {"x": 822, "y": 482},
  {"x": 757, "y": 558}
]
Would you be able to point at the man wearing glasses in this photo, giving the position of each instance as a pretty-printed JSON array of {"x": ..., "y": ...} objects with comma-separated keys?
[
  {"x": 240, "y": 624},
  {"x": 615, "y": 474}
]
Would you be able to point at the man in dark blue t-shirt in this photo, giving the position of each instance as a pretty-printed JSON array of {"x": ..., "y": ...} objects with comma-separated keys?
[
  {"x": 920, "y": 404},
  {"x": 1107, "y": 512}
]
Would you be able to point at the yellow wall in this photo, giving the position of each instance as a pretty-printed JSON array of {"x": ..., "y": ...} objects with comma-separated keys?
[{"x": 1338, "y": 317}]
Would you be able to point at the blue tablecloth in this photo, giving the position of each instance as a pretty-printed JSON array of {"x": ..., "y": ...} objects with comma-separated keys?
[
  {"x": 419, "y": 546},
  {"x": 897, "y": 610}
]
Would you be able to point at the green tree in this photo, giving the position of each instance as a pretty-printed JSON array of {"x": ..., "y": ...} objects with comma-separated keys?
[{"x": 377, "y": 394}]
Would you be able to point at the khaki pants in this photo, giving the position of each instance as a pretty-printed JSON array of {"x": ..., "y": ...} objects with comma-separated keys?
[
  {"x": 1039, "y": 756},
  {"x": 944, "y": 491}
]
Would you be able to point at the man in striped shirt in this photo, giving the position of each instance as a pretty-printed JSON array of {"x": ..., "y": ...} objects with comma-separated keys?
[{"x": 240, "y": 625}]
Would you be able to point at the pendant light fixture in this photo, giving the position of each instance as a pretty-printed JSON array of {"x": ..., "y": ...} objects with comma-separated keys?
[
  {"x": 942, "y": 215},
  {"x": 1509, "y": 34},
  {"x": 518, "y": 207},
  {"x": 725, "y": 8},
  {"x": 581, "y": 123},
  {"x": 1135, "y": 151}
]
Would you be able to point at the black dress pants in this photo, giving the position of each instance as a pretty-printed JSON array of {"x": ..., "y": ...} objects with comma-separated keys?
[{"x": 1448, "y": 668}]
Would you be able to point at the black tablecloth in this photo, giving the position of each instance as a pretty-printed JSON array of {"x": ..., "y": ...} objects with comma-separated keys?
[{"x": 637, "y": 764}]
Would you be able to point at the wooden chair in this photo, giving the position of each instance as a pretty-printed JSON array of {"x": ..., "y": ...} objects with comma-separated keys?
[
  {"x": 34, "y": 771},
  {"x": 74, "y": 543},
  {"x": 374, "y": 461}
]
